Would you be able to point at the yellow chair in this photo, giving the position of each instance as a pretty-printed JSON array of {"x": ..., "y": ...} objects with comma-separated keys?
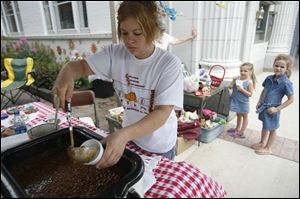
[{"x": 19, "y": 76}]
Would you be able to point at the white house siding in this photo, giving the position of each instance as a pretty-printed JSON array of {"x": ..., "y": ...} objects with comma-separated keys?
[
  {"x": 99, "y": 31},
  {"x": 225, "y": 35},
  {"x": 99, "y": 16},
  {"x": 182, "y": 27},
  {"x": 30, "y": 12}
]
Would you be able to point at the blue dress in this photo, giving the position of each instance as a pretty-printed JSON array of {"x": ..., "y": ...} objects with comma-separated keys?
[
  {"x": 239, "y": 102},
  {"x": 274, "y": 91}
]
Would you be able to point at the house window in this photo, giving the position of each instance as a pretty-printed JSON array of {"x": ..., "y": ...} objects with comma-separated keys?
[
  {"x": 11, "y": 17},
  {"x": 47, "y": 15},
  {"x": 82, "y": 14},
  {"x": 65, "y": 16}
]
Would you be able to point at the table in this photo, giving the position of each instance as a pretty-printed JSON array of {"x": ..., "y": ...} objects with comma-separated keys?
[
  {"x": 190, "y": 99},
  {"x": 173, "y": 179}
]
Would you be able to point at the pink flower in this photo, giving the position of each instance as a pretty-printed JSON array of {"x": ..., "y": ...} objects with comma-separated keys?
[
  {"x": 17, "y": 45},
  {"x": 23, "y": 40},
  {"x": 34, "y": 50}
]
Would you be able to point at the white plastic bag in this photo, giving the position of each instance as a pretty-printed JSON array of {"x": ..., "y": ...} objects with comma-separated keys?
[{"x": 191, "y": 83}]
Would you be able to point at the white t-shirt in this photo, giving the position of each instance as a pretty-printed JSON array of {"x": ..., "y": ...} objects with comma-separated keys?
[
  {"x": 141, "y": 84},
  {"x": 165, "y": 40}
]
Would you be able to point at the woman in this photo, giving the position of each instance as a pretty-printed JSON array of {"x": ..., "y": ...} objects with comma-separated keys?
[{"x": 148, "y": 81}]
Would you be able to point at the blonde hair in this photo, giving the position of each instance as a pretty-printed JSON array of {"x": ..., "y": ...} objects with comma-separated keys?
[
  {"x": 250, "y": 67},
  {"x": 289, "y": 62},
  {"x": 146, "y": 13}
]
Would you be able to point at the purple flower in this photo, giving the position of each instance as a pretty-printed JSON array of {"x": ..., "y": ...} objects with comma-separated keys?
[
  {"x": 23, "y": 40},
  {"x": 34, "y": 50},
  {"x": 16, "y": 45}
]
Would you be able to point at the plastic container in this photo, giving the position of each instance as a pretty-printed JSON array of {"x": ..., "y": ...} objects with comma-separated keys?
[
  {"x": 208, "y": 135},
  {"x": 130, "y": 166},
  {"x": 4, "y": 116},
  {"x": 19, "y": 124}
]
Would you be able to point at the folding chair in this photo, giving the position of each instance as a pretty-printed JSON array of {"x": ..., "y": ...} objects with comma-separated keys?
[
  {"x": 19, "y": 76},
  {"x": 87, "y": 97}
]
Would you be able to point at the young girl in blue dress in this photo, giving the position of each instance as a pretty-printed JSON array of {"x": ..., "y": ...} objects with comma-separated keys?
[
  {"x": 243, "y": 87},
  {"x": 270, "y": 104}
]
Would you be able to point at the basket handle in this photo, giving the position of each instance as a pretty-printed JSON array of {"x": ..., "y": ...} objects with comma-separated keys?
[{"x": 217, "y": 66}]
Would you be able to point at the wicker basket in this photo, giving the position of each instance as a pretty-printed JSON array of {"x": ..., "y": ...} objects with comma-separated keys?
[{"x": 216, "y": 81}]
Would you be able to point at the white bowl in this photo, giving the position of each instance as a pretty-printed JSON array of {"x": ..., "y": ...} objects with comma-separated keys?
[{"x": 94, "y": 143}]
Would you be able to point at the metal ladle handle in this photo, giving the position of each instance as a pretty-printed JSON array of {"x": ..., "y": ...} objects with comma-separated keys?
[
  {"x": 56, "y": 106},
  {"x": 68, "y": 110}
]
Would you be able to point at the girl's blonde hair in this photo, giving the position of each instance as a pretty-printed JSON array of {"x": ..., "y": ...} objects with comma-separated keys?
[
  {"x": 146, "y": 13},
  {"x": 250, "y": 67},
  {"x": 289, "y": 62}
]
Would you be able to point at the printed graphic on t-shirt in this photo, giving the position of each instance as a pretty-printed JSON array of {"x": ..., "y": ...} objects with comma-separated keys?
[{"x": 133, "y": 95}]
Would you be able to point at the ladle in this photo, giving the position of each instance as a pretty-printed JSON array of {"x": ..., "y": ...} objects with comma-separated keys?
[{"x": 82, "y": 154}]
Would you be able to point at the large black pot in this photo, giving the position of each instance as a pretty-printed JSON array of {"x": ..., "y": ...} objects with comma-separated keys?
[{"x": 20, "y": 156}]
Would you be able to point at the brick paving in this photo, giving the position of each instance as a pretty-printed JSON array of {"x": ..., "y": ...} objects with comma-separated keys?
[{"x": 282, "y": 147}]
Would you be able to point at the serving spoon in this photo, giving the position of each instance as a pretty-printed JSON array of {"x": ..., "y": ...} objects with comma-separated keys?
[{"x": 82, "y": 154}]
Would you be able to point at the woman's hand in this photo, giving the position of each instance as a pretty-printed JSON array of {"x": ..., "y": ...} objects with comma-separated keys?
[
  {"x": 115, "y": 146},
  {"x": 63, "y": 86},
  {"x": 194, "y": 33},
  {"x": 64, "y": 83}
]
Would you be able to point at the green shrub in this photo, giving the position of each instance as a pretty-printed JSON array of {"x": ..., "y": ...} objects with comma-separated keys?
[{"x": 45, "y": 63}]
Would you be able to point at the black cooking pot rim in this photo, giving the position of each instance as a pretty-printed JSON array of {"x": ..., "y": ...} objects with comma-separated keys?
[{"x": 120, "y": 190}]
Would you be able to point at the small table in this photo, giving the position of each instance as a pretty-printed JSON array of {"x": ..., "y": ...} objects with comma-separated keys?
[{"x": 199, "y": 102}]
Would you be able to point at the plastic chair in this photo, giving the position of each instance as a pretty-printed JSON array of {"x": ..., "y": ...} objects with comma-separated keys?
[
  {"x": 19, "y": 76},
  {"x": 87, "y": 97}
]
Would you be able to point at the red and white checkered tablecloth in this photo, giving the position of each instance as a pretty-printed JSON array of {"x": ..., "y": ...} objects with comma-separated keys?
[
  {"x": 173, "y": 179},
  {"x": 180, "y": 180}
]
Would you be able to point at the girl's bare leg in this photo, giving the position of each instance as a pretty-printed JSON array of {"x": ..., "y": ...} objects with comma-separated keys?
[
  {"x": 238, "y": 122},
  {"x": 245, "y": 123},
  {"x": 271, "y": 140},
  {"x": 263, "y": 141}
]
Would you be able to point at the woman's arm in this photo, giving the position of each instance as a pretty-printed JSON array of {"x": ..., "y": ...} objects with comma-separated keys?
[
  {"x": 64, "y": 83},
  {"x": 116, "y": 142},
  {"x": 185, "y": 39}
]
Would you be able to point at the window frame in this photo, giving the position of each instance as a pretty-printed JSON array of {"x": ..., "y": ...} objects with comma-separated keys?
[
  {"x": 77, "y": 14},
  {"x": 263, "y": 31},
  {"x": 16, "y": 16}
]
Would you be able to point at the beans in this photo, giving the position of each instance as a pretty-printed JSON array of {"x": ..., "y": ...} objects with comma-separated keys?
[{"x": 57, "y": 176}]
